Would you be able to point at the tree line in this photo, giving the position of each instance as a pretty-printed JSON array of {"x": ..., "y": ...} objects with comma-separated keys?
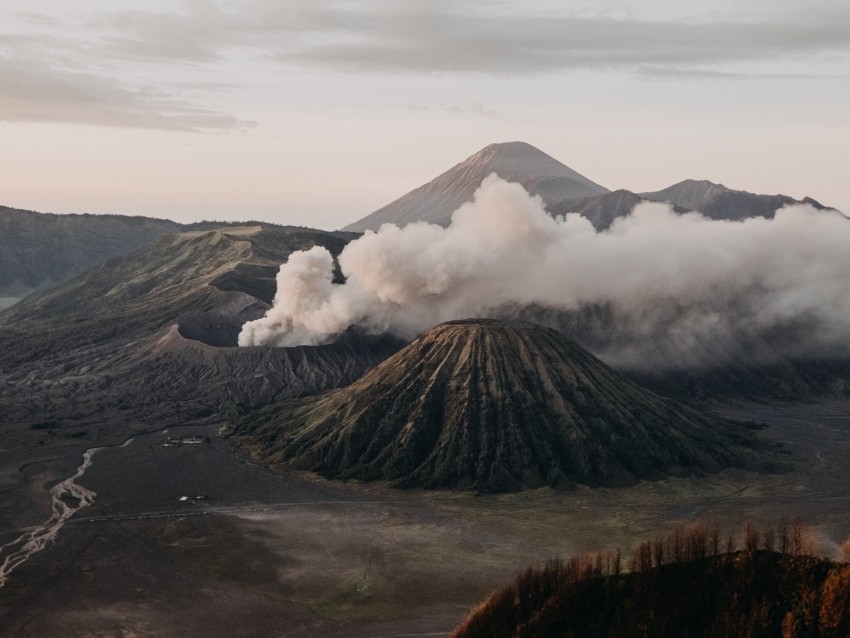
[{"x": 695, "y": 582}]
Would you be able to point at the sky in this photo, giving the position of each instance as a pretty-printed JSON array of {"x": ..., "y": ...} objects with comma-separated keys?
[{"x": 317, "y": 112}]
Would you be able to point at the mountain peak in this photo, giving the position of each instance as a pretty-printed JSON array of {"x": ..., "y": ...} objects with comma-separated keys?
[
  {"x": 516, "y": 144},
  {"x": 514, "y": 149},
  {"x": 698, "y": 183},
  {"x": 691, "y": 194},
  {"x": 434, "y": 202}
]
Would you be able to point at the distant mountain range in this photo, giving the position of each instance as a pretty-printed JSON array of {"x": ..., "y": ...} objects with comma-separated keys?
[
  {"x": 38, "y": 250},
  {"x": 718, "y": 202},
  {"x": 563, "y": 190},
  {"x": 41, "y": 249}
]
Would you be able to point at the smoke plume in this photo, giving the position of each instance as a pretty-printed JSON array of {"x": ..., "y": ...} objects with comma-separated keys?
[{"x": 656, "y": 273}]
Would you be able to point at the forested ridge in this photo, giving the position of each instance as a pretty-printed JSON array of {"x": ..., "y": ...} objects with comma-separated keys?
[{"x": 694, "y": 583}]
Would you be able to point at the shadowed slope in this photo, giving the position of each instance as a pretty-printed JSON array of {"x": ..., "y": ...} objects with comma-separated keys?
[
  {"x": 746, "y": 364},
  {"x": 495, "y": 406},
  {"x": 40, "y": 249},
  {"x": 755, "y": 593},
  {"x": 602, "y": 210},
  {"x": 718, "y": 202},
  {"x": 152, "y": 335}
]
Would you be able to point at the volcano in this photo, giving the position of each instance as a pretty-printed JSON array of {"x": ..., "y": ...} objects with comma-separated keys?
[
  {"x": 563, "y": 191},
  {"x": 539, "y": 173},
  {"x": 151, "y": 336},
  {"x": 494, "y": 406}
]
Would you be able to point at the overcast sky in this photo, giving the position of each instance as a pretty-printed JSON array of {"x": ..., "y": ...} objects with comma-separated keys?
[{"x": 317, "y": 112}]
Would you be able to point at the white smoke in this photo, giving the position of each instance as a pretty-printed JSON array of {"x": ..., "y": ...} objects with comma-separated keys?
[{"x": 687, "y": 273}]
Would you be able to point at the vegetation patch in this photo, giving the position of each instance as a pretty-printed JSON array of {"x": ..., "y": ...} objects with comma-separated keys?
[{"x": 692, "y": 583}]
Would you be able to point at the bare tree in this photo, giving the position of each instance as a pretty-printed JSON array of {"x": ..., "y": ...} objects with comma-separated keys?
[
  {"x": 769, "y": 539},
  {"x": 751, "y": 537},
  {"x": 731, "y": 544},
  {"x": 784, "y": 540},
  {"x": 714, "y": 537}
]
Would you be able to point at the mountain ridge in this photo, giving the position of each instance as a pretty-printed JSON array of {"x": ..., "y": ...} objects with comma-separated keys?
[
  {"x": 40, "y": 250},
  {"x": 716, "y": 201},
  {"x": 153, "y": 333},
  {"x": 563, "y": 190}
]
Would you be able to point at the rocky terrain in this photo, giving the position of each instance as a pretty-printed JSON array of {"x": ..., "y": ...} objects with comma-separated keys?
[
  {"x": 153, "y": 334},
  {"x": 155, "y": 328},
  {"x": 109, "y": 370},
  {"x": 494, "y": 406}
]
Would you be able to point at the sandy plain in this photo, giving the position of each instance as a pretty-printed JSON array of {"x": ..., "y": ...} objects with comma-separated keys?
[{"x": 283, "y": 554}]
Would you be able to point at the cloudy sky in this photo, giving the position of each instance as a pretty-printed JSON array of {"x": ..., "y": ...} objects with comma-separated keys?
[{"x": 317, "y": 112}]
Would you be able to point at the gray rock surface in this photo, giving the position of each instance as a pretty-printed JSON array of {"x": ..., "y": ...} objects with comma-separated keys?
[{"x": 152, "y": 337}]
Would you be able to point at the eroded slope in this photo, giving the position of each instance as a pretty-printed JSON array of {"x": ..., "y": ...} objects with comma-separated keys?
[{"x": 495, "y": 406}]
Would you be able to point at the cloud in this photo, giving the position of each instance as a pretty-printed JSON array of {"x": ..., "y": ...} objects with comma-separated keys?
[
  {"x": 474, "y": 37},
  {"x": 476, "y": 109},
  {"x": 36, "y": 92},
  {"x": 660, "y": 278},
  {"x": 196, "y": 35},
  {"x": 76, "y": 69},
  {"x": 36, "y": 18}
]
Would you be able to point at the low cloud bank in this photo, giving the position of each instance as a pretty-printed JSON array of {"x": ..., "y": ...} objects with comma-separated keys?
[{"x": 685, "y": 277}]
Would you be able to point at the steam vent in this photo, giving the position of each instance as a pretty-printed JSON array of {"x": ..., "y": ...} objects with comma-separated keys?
[{"x": 494, "y": 406}]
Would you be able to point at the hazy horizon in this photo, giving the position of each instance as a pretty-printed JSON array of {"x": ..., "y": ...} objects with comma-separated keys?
[{"x": 318, "y": 113}]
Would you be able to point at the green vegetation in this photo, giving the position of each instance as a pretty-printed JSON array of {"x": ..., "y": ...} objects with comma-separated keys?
[{"x": 691, "y": 584}]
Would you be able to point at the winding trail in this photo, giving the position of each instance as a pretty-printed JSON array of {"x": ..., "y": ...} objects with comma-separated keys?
[{"x": 67, "y": 499}]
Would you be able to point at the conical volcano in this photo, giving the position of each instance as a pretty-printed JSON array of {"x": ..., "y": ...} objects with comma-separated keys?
[
  {"x": 494, "y": 406},
  {"x": 539, "y": 173}
]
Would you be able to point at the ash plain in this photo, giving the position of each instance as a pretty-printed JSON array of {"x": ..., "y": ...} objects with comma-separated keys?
[{"x": 257, "y": 553}]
